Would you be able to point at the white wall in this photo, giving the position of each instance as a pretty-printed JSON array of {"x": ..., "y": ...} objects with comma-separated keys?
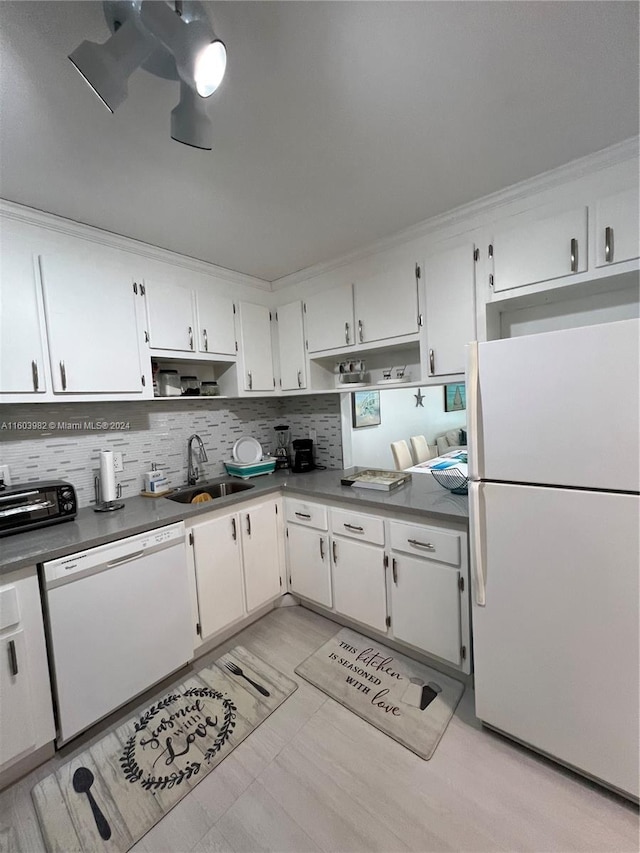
[{"x": 400, "y": 418}]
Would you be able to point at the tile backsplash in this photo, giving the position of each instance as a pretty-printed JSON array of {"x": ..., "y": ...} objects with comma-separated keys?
[{"x": 68, "y": 446}]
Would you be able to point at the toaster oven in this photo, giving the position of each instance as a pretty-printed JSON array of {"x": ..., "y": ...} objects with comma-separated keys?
[{"x": 26, "y": 506}]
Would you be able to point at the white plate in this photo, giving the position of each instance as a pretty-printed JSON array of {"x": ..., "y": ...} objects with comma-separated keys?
[{"x": 247, "y": 450}]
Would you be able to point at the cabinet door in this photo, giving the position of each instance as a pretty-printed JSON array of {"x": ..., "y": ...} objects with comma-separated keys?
[
  {"x": 16, "y": 724},
  {"x": 359, "y": 582},
  {"x": 309, "y": 568},
  {"x": 540, "y": 249},
  {"x": 255, "y": 335},
  {"x": 216, "y": 329},
  {"x": 329, "y": 319},
  {"x": 91, "y": 323},
  {"x": 170, "y": 316},
  {"x": 21, "y": 355},
  {"x": 261, "y": 554},
  {"x": 617, "y": 228},
  {"x": 425, "y": 606},
  {"x": 293, "y": 374},
  {"x": 450, "y": 279},
  {"x": 386, "y": 304},
  {"x": 218, "y": 561}
]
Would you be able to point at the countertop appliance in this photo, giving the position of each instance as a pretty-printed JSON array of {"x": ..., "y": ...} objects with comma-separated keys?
[
  {"x": 119, "y": 620},
  {"x": 554, "y": 508},
  {"x": 282, "y": 450},
  {"x": 303, "y": 455},
  {"x": 26, "y": 506}
]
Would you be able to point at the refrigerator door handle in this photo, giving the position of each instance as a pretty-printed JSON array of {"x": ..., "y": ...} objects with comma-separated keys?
[
  {"x": 473, "y": 415},
  {"x": 477, "y": 562}
]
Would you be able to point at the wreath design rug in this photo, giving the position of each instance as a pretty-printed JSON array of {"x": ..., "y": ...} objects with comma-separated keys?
[{"x": 111, "y": 794}]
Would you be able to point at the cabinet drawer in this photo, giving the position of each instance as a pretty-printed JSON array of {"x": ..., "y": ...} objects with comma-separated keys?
[
  {"x": 426, "y": 541},
  {"x": 365, "y": 527},
  {"x": 313, "y": 515}
]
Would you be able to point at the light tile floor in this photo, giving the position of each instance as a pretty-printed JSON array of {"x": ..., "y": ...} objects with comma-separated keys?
[{"x": 314, "y": 777}]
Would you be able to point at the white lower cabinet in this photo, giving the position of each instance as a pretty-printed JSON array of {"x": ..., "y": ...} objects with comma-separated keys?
[
  {"x": 237, "y": 564},
  {"x": 26, "y": 718},
  {"x": 359, "y": 582},
  {"x": 309, "y": 564}
]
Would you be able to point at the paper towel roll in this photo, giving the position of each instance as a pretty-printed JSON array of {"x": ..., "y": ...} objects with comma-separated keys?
[{"x": 107, "y": 476}]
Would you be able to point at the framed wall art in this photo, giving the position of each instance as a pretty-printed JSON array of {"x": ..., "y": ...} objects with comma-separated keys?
[
  {"x": 455, "y": 397},
  {"x": 365, "y": 408}
]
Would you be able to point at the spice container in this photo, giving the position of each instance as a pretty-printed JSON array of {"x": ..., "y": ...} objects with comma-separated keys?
[
  {"x": 209, "y": 389},
  {"x": 190, "y": 386},
  {"x": 169, "y": 383}
]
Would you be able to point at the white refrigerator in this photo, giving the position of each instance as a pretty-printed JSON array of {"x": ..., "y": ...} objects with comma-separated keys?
[{"x": 554, "y": 467}]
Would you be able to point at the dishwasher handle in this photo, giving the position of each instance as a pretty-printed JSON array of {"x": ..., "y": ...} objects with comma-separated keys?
[{"x": 125, "y": 559}]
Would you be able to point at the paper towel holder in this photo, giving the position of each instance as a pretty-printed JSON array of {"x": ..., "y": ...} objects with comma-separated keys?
[{"x": 106, "y": 506}]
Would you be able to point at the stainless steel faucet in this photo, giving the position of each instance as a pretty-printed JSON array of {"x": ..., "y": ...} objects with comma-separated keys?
[{"x": 192, "y": 470}]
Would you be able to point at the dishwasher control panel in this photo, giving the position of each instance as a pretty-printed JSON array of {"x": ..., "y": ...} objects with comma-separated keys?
[{"x": 113, "y": 553}]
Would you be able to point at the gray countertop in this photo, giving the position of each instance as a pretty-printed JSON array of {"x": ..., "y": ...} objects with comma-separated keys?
[{"x": 422, "y": 497}]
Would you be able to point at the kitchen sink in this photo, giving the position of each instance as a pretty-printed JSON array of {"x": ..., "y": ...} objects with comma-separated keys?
[{"x": 213, "y": 488}]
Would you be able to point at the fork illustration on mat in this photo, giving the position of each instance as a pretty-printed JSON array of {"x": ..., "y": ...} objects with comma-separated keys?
[{"x": 234, "y": 669}]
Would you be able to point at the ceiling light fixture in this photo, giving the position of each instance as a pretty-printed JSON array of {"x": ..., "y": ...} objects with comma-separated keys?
[{"x": 171, "y": 40}]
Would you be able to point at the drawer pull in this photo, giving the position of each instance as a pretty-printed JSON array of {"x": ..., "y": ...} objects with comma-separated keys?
[
  {"x": 13, "y": 657},
  {"x": 428, "y": 545},
  {"x": 302, "y": 514},
  {"x": 394, "y": 570},
  {"x": 321, "y": 548},
  {"x": 354, "y": 527}
]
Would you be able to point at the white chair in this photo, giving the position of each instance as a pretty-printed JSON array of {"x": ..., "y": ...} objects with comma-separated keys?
[
  {"x": 420, "y": 449},
  {"x": 401, "y": 455}
]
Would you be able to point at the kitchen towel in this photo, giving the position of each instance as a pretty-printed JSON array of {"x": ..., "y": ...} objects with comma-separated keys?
[
  {"x": 111, "y": 794},
  {"x": 410, "y": 702}
]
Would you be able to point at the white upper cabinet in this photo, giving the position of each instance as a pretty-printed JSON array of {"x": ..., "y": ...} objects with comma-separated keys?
[
  {"x": 216, "y": 328},
  {"x": 91, "y": 322},
  {"x": 22, "y": 368},
  {"x": 540, "y": 247},
  {"x": 293, "y": 372},
  {"x": 386, "y": 303},
  {"x": 255, "y": 341},
  {"x": 329, "y": 319},
  {"x": 450, "y": 277},
  {"x": 170, "y": 315},
  {"x": 617, "y": 228}
]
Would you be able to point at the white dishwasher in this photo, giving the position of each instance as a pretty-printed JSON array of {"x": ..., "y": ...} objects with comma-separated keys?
[{"x": 119, "y": 619}]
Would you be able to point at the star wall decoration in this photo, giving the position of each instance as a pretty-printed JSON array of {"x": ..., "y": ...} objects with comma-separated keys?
[{"x": 419, "y": 398}]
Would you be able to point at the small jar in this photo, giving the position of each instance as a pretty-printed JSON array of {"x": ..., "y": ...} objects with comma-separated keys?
[
  {"x": 190, "y": 386},
  {"x": 209, "y": 389},
  {"x": 169, "y": 383}
]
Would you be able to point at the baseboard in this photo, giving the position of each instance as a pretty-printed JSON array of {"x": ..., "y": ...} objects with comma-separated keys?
[{"x": 25, "y": 765}]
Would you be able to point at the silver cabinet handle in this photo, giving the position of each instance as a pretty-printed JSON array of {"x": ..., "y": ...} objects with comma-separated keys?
[
  {"x": 428, "y": 545},
  {"x": 608, "y": 244},
  {"x": 206, "y": 340},
  {"x": 234, "y": 532},
  {"x": 574, "y": 255},
  {"x": 302, "y": 514},
  {"x": 335, "y": 552},
  {"x": 34, "y": 374},
  {"x": 360, "y": 331},
  {"x": 13, "y": 657},
  {"x": 354, "y": 527},
  {"x": 63, "y": 376},
  {"x": 250, "y": 380},
  {"x": 190, "y": 338},
  {"x": 321, "y": 548},
  {"x": 432, "y": 362},
  {"x": 346, "y": 333},
  {"x": 248, "y": 524},
  {"x": 394, "y": 569},
  {"x": 299, "y": 379}
]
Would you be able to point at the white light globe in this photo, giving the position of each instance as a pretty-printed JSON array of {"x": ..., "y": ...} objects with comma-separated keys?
[{"x": 209, "y": 69}]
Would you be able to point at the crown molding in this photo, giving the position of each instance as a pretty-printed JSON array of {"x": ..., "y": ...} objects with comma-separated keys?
[
  {"x": 621, "y": 152},
  {"x": 71, "y": 228}
]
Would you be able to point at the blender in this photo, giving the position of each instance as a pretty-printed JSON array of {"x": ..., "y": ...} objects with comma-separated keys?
[{"x": 282, "y": 450}]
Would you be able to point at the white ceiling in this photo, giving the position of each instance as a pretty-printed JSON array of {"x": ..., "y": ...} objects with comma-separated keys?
[{"x": 339, "y": 123}]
